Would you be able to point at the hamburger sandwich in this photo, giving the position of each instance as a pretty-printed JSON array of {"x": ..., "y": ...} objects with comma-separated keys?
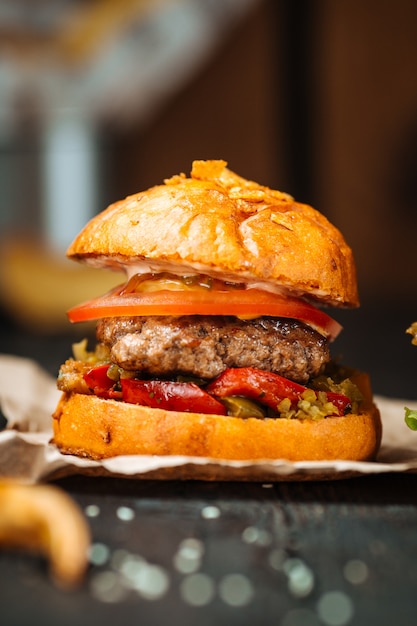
[{"x": 217, "y": 344}]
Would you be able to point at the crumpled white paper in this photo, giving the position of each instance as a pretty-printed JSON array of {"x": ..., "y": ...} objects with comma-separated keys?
[{"x": 28, "y": 396}]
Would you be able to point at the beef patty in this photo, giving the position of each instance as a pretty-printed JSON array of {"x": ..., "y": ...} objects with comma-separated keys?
[{"x": 204, "y": 346}]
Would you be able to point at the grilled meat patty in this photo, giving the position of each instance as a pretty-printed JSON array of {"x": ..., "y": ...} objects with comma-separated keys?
[{"x": 204, "y": 346}]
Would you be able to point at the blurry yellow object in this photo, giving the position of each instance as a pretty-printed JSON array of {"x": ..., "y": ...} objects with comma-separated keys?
[
  {"x": 38, "y": 285},
  {"x": 79, "y": 30},
  {"x": 44, "y": 519},
  {"x": 93, "y": 24}
]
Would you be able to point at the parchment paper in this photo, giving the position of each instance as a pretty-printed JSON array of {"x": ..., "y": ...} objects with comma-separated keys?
[{"x": 28, "y": 396}]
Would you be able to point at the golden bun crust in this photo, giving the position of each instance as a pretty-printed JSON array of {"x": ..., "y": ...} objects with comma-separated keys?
[
  {"x": 218, "y": 222},
  {"x": 91, "y": 427}
]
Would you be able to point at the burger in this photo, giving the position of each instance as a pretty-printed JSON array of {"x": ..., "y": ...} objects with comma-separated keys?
[{"x": 217, "y": 344}]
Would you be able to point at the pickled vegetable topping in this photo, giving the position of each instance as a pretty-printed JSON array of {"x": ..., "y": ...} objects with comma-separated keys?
[
  {"x": 289, "y": 399},
  {"x": 240, "y": 392}
]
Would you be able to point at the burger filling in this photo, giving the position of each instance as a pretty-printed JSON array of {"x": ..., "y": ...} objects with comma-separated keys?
[
  {"x": 200, "y": 345},
  {"x": 239, "y": 391}
]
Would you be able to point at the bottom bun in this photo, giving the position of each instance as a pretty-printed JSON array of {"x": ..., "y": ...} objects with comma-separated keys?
[{"x": 88, "y": 426}]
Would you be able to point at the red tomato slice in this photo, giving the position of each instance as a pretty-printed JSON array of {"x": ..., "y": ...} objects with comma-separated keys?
[{"x": 244, "y": 303}]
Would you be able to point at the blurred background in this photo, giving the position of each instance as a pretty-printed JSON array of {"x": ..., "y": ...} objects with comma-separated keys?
[{"x": 100, "y": 99}]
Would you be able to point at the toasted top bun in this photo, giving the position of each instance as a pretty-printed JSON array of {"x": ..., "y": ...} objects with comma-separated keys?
[{"x": 218, "y": 223}]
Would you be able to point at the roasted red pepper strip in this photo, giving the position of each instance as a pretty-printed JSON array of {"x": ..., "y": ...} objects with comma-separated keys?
[
  {"x": 262, "y": 386},
  {"x": 266, "y": 387},
  {"x": 171, "y": 396},
  {"x": 100, "y": 384},
  {"x": 168, "y": 395}
]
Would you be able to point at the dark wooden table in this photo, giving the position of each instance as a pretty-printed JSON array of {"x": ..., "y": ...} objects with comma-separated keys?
[
  {"x": 288, "y": 553},
  {"x": 232, "y": 553}
]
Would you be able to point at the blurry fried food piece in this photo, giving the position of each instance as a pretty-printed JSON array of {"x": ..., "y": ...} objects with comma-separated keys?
[
  {"x": 412, "y": 330},
  {"x": 45, "y": 520}
]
